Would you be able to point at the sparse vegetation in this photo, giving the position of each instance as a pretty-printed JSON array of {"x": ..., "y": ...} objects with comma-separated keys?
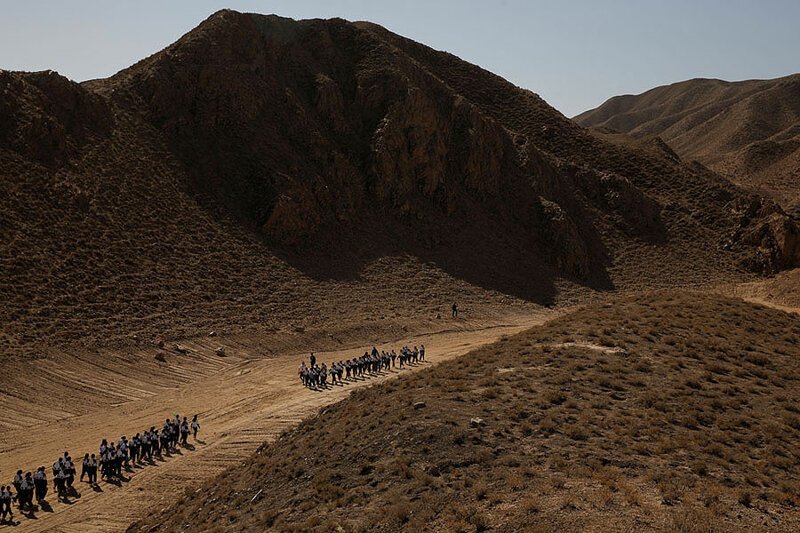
[{"x": 666, "y": 454}]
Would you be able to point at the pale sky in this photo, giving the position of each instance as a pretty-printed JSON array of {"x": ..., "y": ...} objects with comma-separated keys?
[{"x": 574, "y": 53}]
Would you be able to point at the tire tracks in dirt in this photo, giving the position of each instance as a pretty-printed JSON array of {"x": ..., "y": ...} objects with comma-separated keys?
[{"x": 241, "y": 406}]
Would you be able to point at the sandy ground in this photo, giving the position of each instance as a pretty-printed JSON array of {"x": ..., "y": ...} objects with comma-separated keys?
[{"x": 241, "y": 403}]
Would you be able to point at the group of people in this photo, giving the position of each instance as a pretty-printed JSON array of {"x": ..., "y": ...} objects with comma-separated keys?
[
  {"x": 112, "y": 458},
  {"x": 140, "y": 449},
  {"x": 315, "y": 376}
]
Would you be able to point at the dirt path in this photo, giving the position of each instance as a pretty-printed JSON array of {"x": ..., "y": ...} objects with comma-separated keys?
[{"x": 240, "y": 407}]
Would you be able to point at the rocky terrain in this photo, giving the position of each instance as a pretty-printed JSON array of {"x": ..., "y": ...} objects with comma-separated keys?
[{"x": 749, "y": 131}]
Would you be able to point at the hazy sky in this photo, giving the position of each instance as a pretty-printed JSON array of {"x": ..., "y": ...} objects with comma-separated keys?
[{"x": 574, "y": 53}]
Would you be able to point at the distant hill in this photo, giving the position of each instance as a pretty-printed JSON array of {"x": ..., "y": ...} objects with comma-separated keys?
[
  {"x": 669, "y": 411},
  {"x": 270, "y": 173},
  {"x": 748, "y": 131}
]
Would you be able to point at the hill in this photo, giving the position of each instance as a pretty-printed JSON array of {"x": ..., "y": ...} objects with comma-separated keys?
[
  {"x": 669, "y": 411},
  {"x": 748, "y": 131},
  {"x": 264, "y": 174}
]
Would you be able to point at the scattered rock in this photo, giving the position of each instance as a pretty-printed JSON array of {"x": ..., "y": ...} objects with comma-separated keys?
[
  {"x": 220, "y": 351},
  {"x": 160, "y": 357},
  {"x": 477, "y": 422},
  {"x": 212, "y": 333},
  {"x": 419, "y": 405},
  {"x": 180, "y": 349}
]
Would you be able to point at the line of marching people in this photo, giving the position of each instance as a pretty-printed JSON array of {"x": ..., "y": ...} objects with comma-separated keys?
[
  {"x": 111, "y": 460},
  {"x": 316, "y": 376}
]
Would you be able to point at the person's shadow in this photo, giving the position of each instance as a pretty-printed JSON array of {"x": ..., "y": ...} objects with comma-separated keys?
[
  {"x": 198, "y": 441},
  {"x": 45, "y": 506}
]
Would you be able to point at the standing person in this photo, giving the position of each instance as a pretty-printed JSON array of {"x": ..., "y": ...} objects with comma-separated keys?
[
  {"x": 84, "y": 466},
  {"x": 93, "y": 470},
  {"x": 119, "y": 461},
  {"x": 144, "y": 442},
  {"x": 111, "y": 462},
  {"x": 454, "y": 313},
  {"x": 421, "y": 352},
  {"x": 60, "y": 481},
  {"x": 176, "y": 430},
  {"x": 166, "y": 438},
  {"x": 56, "y": 470},
  {"x": 5, "y": 504},
  {"x": 25, "y": 494},
  {"x": 17, "y": 482},
  {"x": 184, "y": 431},
  {"x": 166, "y": 435},
  {"x": 70, "y": 471},
  {"x": 302, "y": 372},
  {"x": 155, "y": 441},
  {"x": 323, "y": 376},
  {"x": 104, "y": 465},
  {"x": 40, "y": 484},
  {"x": 122, "y": 448},
  {"x": 134, "y": 447},
  {"x": 195, "y": 426}
]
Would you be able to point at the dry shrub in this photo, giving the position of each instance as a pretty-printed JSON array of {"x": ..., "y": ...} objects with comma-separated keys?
[{"x": 686, "y": 519}]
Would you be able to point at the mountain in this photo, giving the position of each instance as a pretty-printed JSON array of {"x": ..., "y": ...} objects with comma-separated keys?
[
  {"x": 265, "y": 173},
  {"x": 748, "y": 131}
]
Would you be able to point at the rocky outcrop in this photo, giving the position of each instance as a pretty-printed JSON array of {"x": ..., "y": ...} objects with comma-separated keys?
[{"x": 773, "y": 234}]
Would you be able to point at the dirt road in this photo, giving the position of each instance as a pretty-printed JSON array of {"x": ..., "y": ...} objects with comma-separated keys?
[{"x": 242, "y": 403}]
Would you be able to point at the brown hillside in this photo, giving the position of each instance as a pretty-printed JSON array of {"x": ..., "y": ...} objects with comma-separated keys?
[
  {"x": 748, "y": 131},
  {"x": 782, "y": 290},
  {"x": 668, "y": 411},
  {"x": 273, "y": 174}
]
